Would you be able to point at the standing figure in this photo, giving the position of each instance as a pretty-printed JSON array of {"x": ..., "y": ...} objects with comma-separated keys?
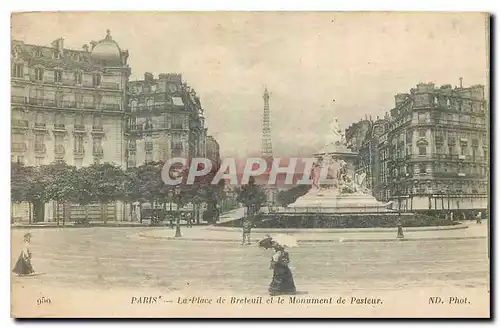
[
  {"x": 247, "y": 229},
  {"x": 189, "y": 220},
  {"x": 23, "y": 265},
  {"x": 282, "y": 282},
  {"x": 479, "y": 217}
]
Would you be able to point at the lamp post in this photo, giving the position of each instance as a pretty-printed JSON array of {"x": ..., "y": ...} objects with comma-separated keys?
[
  {"x": 399, "y": 224},
  {"x": 178, "y": 223}
]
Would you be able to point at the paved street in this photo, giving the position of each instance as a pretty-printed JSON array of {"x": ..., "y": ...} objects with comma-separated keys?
[{"x": 102, "y": 258}]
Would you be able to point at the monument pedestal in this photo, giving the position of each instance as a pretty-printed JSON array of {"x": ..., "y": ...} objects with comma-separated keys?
[{"x": 332, "y": 202}]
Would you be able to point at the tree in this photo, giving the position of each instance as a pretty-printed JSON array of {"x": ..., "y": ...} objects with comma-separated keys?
[
  {"x": 107, "y": 185},
  {"x": 20, "y": 184},
  {"x": 63, "y": 188},
  {"x": 252, "y": 196}
]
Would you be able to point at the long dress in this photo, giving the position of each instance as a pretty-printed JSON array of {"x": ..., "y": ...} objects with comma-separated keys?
[
  {"x": 23, "y": 265},
  {"x": 282, "y": 282}
]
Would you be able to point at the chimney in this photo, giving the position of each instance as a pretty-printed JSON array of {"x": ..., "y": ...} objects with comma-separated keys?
[
  {"x": 461, "y": 82},
  {"x": 148, "y": 76}
]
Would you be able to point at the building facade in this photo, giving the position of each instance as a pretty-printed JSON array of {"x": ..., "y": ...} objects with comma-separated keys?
[
  {"x": 166, "y": 120},
  {"x": 432, "y": 151},
  {"x": 213, "y": 150},
  {"x": 79, "y": 107}
]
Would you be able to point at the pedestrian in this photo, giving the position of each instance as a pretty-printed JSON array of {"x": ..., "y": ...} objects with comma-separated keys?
[
  {"x": 189, "y": 220},
  {"x": 247, "y": 229},
  {"x": 400, "y": 229},
  {"x": 282, "y": 282},
  {"x": 479, "y": 217},
  {"x": 23, "y": 265}
]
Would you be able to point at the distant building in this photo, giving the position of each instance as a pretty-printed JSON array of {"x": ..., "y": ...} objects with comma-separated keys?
[
  {"x": 166, "y": 120},
  {"x": 431, "y": 152},
  {"x": 213, "y": 150},
  {"x": 68, "y": 106},
  {"x": 79, "y": 107}
]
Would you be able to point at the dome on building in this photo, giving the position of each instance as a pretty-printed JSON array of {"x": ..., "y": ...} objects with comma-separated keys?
[{"x": 107, "y": 51}]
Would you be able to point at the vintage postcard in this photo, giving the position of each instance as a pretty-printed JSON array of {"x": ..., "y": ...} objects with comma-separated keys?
[{"x": 250, "y": 165}]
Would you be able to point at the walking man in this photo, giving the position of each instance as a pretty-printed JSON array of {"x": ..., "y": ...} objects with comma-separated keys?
[
  {"x": 247, "y": 229},
  {"x": 479, "y": 217}
]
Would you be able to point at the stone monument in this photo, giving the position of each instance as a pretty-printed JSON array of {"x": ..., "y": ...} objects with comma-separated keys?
[{"x": 335, "y": 186}]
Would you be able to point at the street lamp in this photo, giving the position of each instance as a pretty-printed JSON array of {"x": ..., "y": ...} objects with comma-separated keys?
[{"x": 178, "y": 224}]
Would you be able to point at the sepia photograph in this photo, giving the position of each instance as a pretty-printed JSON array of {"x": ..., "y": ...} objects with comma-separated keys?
[{"x": 250, "y": 164}]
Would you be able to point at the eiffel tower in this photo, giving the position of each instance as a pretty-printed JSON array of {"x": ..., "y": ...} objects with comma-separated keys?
[{"x": 267, "y": 148}]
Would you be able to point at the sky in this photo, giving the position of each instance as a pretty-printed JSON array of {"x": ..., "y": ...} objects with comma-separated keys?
[{"x": 316, "y": 65}]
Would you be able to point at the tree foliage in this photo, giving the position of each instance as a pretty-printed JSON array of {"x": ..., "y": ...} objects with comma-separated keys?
[{"x": 251, "y": 196}]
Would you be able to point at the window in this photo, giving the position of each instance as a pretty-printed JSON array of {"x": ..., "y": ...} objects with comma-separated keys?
[
  {"x": 18, "y": 70},
  {"x": 97, "y": 100},
  {"x": 421, "y": 117},
  {"x": 39, "y": 142},
  {"x": 177, "y": 122},
  {"x": 176, "y": 146},
  {"x": 148, "y": 146},
  {"x": 439, "y": 150},
  {"x": 422, "y": 169},
  {"x": 133, "y": 105},
  {"x": 462, "y": 150},
  {"x": 78, "y": 146},
  {"x": 38, "y": 53},
  {"x": 97, "y": 121},
  {"x": 422, "y": 150},
  {"x": 149, "y": 104},
  {"x": 96, "y": 79},
  {"x": 76, "y": 57},
  {"x": 450, "y": 150},
  {"x": 421, "y": 133},
  {"x": 78, "y": 77},
  {"x": 448, "y": 102},
  {"x": 38, "y": 74},
  {"x": 97, "y": 146},
  {"x": 59, "y": 98}
]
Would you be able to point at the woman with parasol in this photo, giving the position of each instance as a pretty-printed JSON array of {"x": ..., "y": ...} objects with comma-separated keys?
[
  {"x": 23, "y": 265},
  {"x": 282, "y": 282}
]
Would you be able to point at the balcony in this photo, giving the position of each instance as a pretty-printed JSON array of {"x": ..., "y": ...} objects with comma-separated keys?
[
  {"x": 79, "y": 128},
  {"x": 59, "y": 128},
  {"x": 98, "y": 152},
  {"x": 18, "y": 100},
  {"x": 19, "y": 147},
  {"x": 96, "y": 129},
  {"x": 20, "y": 124},
  {"x": 110, "y": 85},
  {"x": 68, "y": 104},
  {"x": 40, "y": 127},
  {"x": 109, "y": 106},
  {"x": 78, "y": 152},
  {"x": 40, "y": 149}
]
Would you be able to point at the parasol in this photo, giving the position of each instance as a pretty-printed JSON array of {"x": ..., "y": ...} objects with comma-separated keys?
[{"x": 282, "y": 239}]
